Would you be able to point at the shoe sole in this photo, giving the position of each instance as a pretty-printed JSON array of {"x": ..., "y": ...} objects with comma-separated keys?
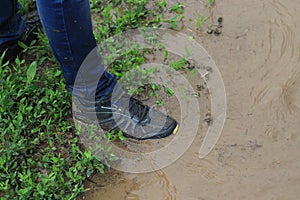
[{"x": 172, "y": 130}]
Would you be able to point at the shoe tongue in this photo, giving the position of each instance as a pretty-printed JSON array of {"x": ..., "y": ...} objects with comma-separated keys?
[
  {"x": 137, "y": 110},
  {"x": 133, "y": 107}
]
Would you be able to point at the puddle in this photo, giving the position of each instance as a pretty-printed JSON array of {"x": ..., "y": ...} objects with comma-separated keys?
[{"x": 257, "y": 154}]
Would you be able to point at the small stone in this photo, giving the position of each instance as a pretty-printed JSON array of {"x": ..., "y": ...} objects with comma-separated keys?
[
  {"x": 210, "y": 31},
  {"x": 218, "y": 31},
  {"x": 220, "y": 19}
]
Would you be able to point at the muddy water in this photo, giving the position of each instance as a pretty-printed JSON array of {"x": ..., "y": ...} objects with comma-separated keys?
[{"x": 257, "y": 156}]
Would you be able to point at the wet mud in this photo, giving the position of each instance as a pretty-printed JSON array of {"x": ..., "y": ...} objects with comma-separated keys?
[{"x": 257, "y": 156}]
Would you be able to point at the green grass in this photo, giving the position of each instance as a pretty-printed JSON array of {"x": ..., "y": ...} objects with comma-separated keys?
[
  {"x": 27, "y": 6},
  {"x": 41, "y": 156},
  {"x": 200, "y": 21},
  {"x": 211, "y": 2}
]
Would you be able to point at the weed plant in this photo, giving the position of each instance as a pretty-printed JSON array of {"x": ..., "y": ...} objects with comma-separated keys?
[
  {"x": 200, "y": 21},
  {"x": 211, "y": 2}
]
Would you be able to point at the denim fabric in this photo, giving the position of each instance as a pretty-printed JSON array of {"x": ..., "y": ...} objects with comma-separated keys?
[
  {"x": 68, "y": 26},
  {"x": 11, "y": 23}
]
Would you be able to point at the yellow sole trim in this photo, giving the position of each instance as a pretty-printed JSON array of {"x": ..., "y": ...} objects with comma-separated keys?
[{"x": 176, "y": 129}]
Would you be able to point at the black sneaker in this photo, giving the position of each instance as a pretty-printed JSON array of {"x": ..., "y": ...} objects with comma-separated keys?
[
  {"x": 32, "y": 24},
  {"x": 131, "y": 116}
]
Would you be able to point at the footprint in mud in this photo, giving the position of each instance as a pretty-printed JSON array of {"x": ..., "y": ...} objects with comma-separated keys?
[
  {"x": 291, "y": 94},
  {"x": 282, "y": 102}
]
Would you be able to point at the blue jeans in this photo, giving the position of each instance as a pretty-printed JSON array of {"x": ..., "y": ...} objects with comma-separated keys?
[
  {"x": 11, "y": 24},
  {"x": 68, "y": 26}
]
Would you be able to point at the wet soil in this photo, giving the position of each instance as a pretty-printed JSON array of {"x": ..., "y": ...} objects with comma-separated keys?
[{"x": 257, "y": 156}]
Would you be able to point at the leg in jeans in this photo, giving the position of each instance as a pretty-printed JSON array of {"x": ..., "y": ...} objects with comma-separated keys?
[
  {"x": 68, "y": 26},
  {"x": 11, "y": 23}
]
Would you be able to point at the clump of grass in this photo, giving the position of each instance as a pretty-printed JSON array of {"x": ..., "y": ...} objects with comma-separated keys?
[
  {"x": 211, "y": 2},
  {"x": 178, "y": 8},
  {"x": 200, "y": 21},
  {"x": 41, "y": 156},
  {"x": 27, "y": 6}
]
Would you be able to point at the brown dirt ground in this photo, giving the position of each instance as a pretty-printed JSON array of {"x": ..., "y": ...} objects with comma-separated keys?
[{"x": 256, "y": 156}]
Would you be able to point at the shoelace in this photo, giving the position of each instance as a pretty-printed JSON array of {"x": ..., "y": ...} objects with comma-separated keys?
[
  {"x": 32, "y": 22},
  {"x": 138, "y": 109}
]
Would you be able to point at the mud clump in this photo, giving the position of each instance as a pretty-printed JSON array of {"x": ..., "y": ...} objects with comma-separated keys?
[{"x": 217, "y": 28}]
